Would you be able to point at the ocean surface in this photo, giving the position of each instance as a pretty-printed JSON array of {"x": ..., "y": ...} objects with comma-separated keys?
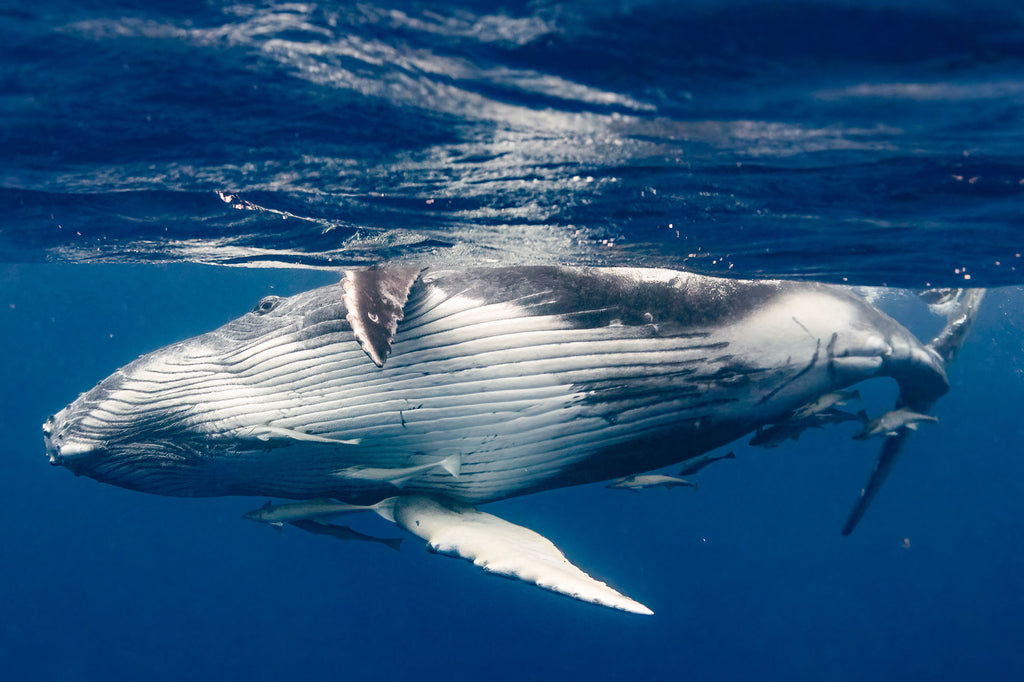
[{"x": 163, "y": 165}]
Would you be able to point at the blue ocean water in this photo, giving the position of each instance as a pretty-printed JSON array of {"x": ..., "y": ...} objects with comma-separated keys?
[{"x": 142, "y": 150}]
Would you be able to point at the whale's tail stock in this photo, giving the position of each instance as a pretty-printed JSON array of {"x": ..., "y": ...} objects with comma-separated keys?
[{"x": 918, "y": 395}]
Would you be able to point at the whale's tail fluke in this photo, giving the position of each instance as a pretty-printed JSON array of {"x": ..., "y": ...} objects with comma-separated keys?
[
  {"x": 946, "y": 345},
  {"x": 891, "y": 447}
]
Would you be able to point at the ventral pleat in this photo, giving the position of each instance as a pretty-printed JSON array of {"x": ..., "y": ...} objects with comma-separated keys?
[{"x": 375, "y": 300}]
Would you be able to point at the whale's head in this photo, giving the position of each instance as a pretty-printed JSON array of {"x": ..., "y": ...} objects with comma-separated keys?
[{"x": 177, "y": 420}]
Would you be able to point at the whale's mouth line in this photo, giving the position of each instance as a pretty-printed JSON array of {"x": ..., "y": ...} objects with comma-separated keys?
[
  {"x": 75, "y": 456},
  {"x": 78, "y": 463}
]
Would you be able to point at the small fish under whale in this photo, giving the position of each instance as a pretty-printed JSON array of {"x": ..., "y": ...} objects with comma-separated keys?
[
  {"x": 891, "y": 423},
  {"x": 774, "y": 435},
  {"x": 343, "y": 533},
  {"x": 322, "y": 509},
  {"x": 698, "y": 463},
  {"x": 637, "y": 482},
  {"x": 424, "y": 393},
  {"x": 825, "y": 403}
]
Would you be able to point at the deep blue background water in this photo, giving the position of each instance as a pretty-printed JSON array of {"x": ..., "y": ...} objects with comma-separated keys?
[{"x": 868, "y": 143}]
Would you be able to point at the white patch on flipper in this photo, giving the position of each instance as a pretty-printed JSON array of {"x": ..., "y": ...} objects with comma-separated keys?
[{"x": 500, "y": 547}]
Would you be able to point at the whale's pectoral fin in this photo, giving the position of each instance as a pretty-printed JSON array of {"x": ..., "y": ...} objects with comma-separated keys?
[
  {"x": 884, "y": 463},
  {"x": 500, "y": 547},
  {"x": 375, "y": 300}
]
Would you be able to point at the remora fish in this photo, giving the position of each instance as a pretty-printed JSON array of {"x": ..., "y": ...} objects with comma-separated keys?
[
  {"x": 536, "y": 378},
  {"x": 324, "y": 508},
  {"x": 832, "y": 416},
  {"x": 891, "y": 423},
  {"x": 400, "y": 475},
  {"x": 343, "y": 533},
  {"x": 825, "y": 402},
  {"x": 774, "y": 435},
  {"x": 639, "y": 481},
  {"x": 695, "y": 464}
]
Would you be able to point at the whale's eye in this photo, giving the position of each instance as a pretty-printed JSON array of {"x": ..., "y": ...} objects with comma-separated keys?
[{"x": 266, "y": 304}]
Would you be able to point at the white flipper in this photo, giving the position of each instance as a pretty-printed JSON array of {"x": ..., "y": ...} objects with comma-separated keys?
[{"x": 500, "y": 547}]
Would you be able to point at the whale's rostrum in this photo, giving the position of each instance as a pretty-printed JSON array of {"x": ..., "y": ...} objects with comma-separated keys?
[{"x": 449, "y": 389}]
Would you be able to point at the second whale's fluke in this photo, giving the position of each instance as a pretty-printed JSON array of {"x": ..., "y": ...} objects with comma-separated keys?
[{"x": 964, "y": 305}]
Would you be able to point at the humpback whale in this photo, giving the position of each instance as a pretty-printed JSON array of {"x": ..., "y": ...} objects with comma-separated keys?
[{"x": 427, "y": 392}]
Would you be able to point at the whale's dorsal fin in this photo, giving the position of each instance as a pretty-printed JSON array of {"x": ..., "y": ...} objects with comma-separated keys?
[
  {"x": 375, "y": 300},
  {"x": 500, "y": 547}
]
